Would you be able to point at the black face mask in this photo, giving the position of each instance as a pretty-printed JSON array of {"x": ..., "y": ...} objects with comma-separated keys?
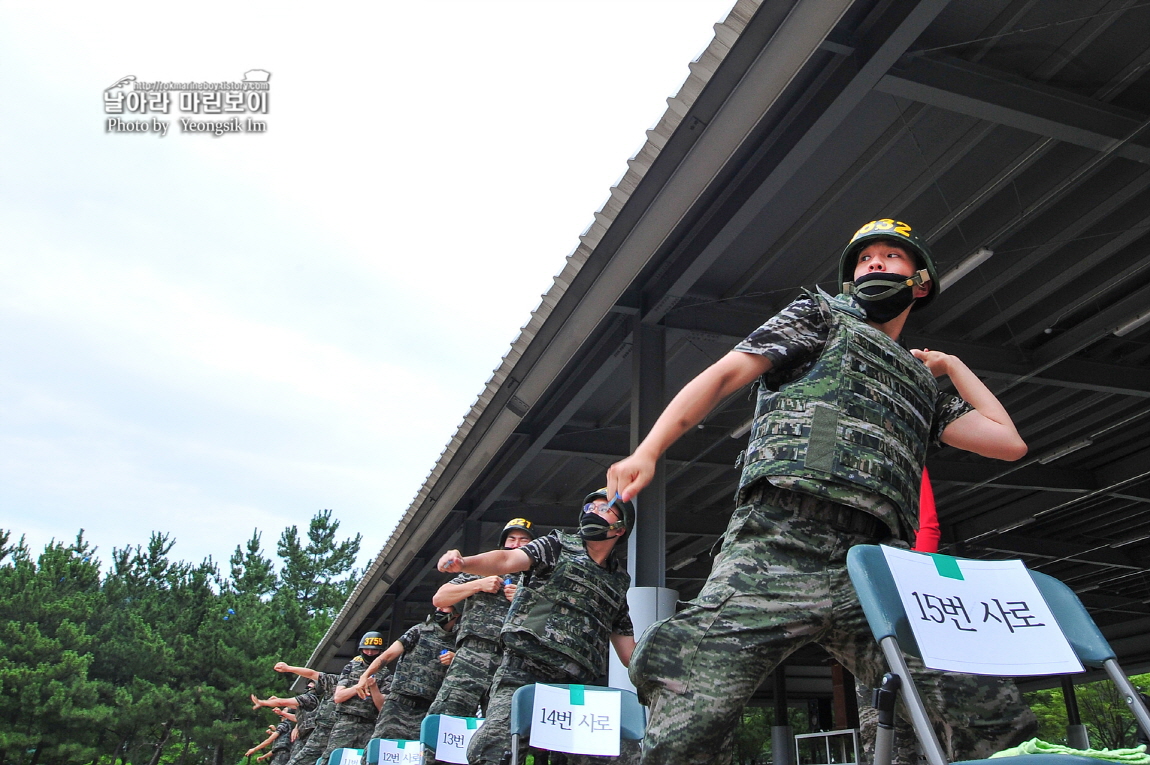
[
  {"x": 593, "y": 527},
  {"x": 883, "y": 295},
  {"x": 442, "y": 618}
]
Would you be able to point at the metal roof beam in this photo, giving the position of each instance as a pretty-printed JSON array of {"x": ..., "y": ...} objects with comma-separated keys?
[
  {"x": 1057, "y": 550},
  {"x": 1032, "y": 477},
  {"x": 600, "y": 455},
  {"x": 891, "y": 48},
  {"x": 1086, "y": 333},
  {"x": 1113, "y": 477},
  {"x": 1010, "y": 364},
  {"x": 1003, "y": 99},
  {"x": 603, "y": 371}
]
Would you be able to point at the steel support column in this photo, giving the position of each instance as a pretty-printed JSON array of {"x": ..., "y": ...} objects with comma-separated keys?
[
  {"x": 647, "y": 546},
  {"x": 782, "y": 736},
  {"x": 398, "y": 613}
]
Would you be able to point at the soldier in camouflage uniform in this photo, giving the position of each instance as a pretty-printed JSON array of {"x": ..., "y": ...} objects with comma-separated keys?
[
  {"x": 355, "y": 716},
  {"x": 315, "y": 708},
  {"x": 279, "y": 738},
  {"x": 425, "y": 651},
  {"x": 485, "y": 600},
  {"x": 281, "y": 748},
  {"x": 843, "y": 422},
  {"x": 573, "y": 604}
]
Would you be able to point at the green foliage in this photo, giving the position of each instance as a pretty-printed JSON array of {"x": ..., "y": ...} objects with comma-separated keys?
[
  {"x": 151, "y": 661},
  {"x": 753, "y": 744},
  {"x": 1103, "y": 712}
]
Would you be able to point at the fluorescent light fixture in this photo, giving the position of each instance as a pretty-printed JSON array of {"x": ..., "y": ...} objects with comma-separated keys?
[
  {"x": 1132, "y": 539},
  {"x": 981, "y": 255},
  {"x": 1132, "y": 324},
  {"x": 742, "y": 430},
  {"x": 1062, "y": 451}
]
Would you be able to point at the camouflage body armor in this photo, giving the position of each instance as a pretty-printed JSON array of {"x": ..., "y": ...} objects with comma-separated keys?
[
  {"x": 419, "y": 673},
  {"x": 356, "y": 706},
  {"x": 483, "y": 615},
  {"x": 859, "y": 418},
  {"x": 572, "y": 612}
]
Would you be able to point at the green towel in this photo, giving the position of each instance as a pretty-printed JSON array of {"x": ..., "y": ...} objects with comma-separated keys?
[{"x": 1135, "y": 756}]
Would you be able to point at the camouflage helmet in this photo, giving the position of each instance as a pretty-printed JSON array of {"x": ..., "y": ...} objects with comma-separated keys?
[
  {"x": 627, "y": 510},
  {"x": 900, "y": 234},
  {"x": 516, "y": 524},
  {"x": 372, "y": 640}
]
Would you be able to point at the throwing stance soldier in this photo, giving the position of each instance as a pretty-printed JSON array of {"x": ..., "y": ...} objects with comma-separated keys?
[
  {"x": 485, "y": 600},
  {"x": 844, "y": 418},
  {"x": 565, "y": 614},
  {"x": 313, "y": 707},
  {"x": 355, "y": 716},
  {"x": 424, "y": 652}
]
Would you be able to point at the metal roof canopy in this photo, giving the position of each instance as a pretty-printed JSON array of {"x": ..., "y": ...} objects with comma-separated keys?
[{"x": 1014, "y": 125}]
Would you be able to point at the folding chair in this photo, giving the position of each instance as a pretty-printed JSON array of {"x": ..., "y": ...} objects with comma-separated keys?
[
  {"x": 429, "y": 730},
  {"x": 337, "y": 756},
  {"x": 633, "y": 725},
  {"x": 882, "y": 605}
]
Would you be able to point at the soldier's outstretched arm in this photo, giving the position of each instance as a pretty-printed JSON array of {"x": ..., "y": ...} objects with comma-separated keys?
[
  {"x": 273, "y": 701},
  {"x": 493, "y": 563},
  {"x": 450, "y": 594},
  {"x": 988, "y": 430},
  {"x": 307, "y": 672},
  {"x": 393, "y": 652},
  {"x": 694, "y": 402},
  {"x": 266, "y": 743},
  {"x": 624, "y": 647}
]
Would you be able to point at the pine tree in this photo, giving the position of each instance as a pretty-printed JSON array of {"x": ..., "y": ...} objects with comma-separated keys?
[{"x": 320, "y": 572}]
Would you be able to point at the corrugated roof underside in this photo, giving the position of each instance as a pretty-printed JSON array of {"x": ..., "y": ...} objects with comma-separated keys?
[{"x": 702, "y": 69}]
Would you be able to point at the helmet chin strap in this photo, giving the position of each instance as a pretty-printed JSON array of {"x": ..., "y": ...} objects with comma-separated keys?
[{"x": 917, "y": 279}]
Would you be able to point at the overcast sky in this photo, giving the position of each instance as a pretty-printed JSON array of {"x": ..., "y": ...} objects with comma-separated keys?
[{"x": 207, "y": 335}]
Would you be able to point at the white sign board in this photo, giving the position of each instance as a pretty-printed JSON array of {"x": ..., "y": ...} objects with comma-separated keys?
[
  {"x": 399, "y": 752},
  {"x": 345, "y": 757},
  {"x": 982, "y": 617},
  {"x": 576, "y": 721},
  {"x": 454, "y": 735}
]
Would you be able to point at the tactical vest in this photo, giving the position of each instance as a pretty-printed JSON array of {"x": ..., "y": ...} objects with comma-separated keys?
[
  {"x": 483, "y": 615},
  {"x": 355, "y": 706},
  {"x": 860, "y": 417},
  {"x": 573, "y": 611},
  {"x": 419, "y": 673}
]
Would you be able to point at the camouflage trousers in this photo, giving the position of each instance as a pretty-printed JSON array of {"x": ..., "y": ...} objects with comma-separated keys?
[
  {"x": 314, "y": 746},
  {"x": 780, "y": 582},
  {"x": 281, "y": 756},
  {"x": 349, "y": 732},
  {"x": 494, "y": 737},
  {"x": 401, "y": 717},
  {"x": 906, "y": 749},
  {"x": 468, "y": 680}
]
